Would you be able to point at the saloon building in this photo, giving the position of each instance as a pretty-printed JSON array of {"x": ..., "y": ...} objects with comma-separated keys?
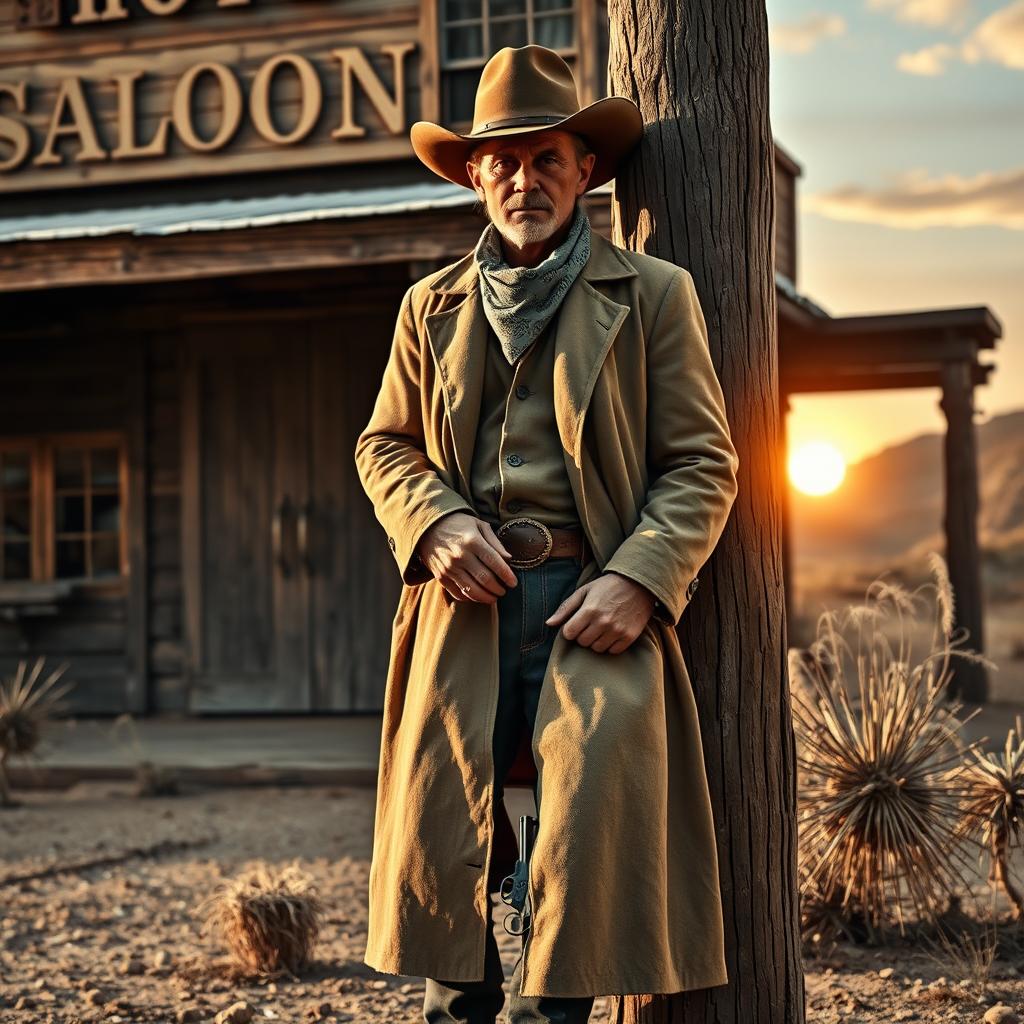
[{"x": 209, "y": 213}]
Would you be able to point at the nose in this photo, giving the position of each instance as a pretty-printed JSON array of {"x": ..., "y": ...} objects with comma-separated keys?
[{"x": 524, "y": 179}]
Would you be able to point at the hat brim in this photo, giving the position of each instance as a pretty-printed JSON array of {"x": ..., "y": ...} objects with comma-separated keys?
[{"x": 611, "y": 126}]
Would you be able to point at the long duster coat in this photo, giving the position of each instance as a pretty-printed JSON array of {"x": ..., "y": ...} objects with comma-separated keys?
[{"x": 623, "y": 878}]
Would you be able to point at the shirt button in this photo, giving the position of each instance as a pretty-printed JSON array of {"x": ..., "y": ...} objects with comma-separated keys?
[
  {"x": 513, "y": 459},
  {"x": 522, "y": 391}
]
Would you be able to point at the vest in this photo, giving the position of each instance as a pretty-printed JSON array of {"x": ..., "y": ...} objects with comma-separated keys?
[{"x": 518, "y": 466}]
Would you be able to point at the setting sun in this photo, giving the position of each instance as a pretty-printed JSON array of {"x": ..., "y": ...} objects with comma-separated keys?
[{"x": 816, "y": 468}]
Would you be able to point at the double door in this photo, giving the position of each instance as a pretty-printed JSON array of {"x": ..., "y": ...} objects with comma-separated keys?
[{"x": 290, "y": 588}]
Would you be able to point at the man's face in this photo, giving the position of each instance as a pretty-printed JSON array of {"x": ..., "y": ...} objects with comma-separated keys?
[{"x": 529, "y": 183}]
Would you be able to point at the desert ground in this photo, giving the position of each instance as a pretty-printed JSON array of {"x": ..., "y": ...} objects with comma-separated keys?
[{"x": 98, "y": 897}]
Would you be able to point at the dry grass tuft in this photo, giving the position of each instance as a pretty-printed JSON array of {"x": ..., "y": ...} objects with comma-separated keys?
[
  {"x": 879, "y": 772},
  {"x": 993, "y": 810},
  {"x": 268, "y": 919},
  {"x": 26, "y": 705}
]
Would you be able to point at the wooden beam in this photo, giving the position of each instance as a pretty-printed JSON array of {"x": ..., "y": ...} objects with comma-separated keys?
[{"x": 960, "y": 521}]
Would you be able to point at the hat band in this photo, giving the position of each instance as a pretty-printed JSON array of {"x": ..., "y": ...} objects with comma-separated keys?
[{"x": 517, "y": 122}]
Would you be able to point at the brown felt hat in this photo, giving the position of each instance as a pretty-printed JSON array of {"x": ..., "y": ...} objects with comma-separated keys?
[{"x": 529, "y": 89}]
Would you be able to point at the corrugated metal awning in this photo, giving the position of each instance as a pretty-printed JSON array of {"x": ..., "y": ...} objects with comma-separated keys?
[
  {"x": 225, "y": 214},
  {"x": 232, "y": 213}
]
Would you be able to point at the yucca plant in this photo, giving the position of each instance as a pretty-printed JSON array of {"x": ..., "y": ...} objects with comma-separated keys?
[
  {"x": 26, "y": 705},
  {"x": 993, "y": 810},
  {"x": 268, "y": 919},
  {"x": 879, "y": 772}
]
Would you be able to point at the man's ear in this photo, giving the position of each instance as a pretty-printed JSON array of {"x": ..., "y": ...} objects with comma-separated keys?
[
  {"x": 473, "y": 170},
  {"x": 586, "y": 169}
]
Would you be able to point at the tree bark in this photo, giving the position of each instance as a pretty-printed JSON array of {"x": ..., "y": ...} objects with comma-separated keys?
[{"x": 699, "y": 192}]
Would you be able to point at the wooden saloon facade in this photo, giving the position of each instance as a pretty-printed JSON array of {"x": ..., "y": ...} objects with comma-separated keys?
[{"x": 209, "y": 214}]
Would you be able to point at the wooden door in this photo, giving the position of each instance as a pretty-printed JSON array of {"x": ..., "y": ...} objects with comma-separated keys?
[
  {"x": 246, "y": 491},
  {"x": 355, "y": 587}
]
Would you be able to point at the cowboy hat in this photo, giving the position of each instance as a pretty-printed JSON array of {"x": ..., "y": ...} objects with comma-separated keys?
[{"x": 530, "y": 89}]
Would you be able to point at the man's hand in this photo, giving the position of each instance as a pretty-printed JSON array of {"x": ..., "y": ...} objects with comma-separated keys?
[
  {"x": 606, "y": 614},
  {"x": 461, "y": 549}
]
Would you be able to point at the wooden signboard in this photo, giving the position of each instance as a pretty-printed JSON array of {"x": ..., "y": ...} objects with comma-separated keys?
[{"x": 109, "y": 91}]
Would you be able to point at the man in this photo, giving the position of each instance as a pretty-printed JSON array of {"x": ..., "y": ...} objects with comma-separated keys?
[{"x": 550, "y": 456}]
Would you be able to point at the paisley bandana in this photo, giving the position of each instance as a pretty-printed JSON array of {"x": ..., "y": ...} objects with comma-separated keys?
[{"x": 519, "y": 301}]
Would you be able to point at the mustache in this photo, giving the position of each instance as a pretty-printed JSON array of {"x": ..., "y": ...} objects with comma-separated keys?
[{"x": 529, "y": 202}]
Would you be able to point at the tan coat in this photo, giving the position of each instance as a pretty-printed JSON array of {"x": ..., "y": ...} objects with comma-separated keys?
[{"x": 624, "y": 874}]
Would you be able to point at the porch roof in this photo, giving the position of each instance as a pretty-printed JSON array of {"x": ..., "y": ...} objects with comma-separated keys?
[{"x": 232, "y": 213}]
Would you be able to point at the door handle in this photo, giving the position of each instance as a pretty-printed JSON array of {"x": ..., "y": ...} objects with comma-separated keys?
[
  {"x": 277, "y": 536},
  {"x": 302, "y": 535}
]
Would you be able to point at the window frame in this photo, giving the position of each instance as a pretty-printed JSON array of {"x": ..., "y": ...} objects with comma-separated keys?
[
  {"x": 574, "y": 55},
  {"x": 42, "y": 451}
]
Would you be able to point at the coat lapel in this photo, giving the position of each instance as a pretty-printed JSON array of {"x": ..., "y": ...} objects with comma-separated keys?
[{"x": 588, "y": 323}]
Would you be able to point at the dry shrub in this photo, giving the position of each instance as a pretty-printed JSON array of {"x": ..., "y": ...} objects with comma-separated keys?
[
  {"x": 268, "y": 919},
  {"x": 879, "y": 772},
  {"x": 26, "y": 706},
  {"x": 993, "y": 810}
]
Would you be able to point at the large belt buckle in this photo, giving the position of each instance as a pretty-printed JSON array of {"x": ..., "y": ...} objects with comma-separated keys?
[{"x": 545, "y": 533}]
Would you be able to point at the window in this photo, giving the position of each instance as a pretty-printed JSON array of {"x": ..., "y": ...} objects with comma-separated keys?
[
  {"x": 62, "y": 503},
  {"x": 473, "y": 30}
]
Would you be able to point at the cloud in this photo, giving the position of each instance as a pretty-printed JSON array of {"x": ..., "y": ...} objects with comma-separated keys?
[
  {"x": 803, "y": 35},
  {"x": 917, "y": 201},
  {"x": 925, "y": 12},
  {"x": 929, "y": 61},
  {"x": 998, "y": 39}
]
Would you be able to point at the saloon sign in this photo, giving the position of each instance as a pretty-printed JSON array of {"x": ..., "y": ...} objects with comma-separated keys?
[{"x": 286, "y": 94}]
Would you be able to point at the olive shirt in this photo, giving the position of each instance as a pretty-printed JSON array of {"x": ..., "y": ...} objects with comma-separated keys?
[{"x": 518, "y": 465}]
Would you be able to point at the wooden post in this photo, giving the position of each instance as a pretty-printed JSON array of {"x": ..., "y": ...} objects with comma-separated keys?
[
  {"x": 960, "y": 521},
  {"x": 700, "y": 192}
]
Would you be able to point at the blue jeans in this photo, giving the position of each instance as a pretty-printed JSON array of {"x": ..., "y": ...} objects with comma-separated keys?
[{"x": 525, "y": 643}]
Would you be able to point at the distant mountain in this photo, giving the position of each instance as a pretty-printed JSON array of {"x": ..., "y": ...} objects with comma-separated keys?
[{"x": 889, "y": 508}]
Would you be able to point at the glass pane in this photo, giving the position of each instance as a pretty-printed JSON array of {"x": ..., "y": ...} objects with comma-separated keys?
[
  {"x": 464, "y": 41},
  {"x": 460, "y": 94},
  {"x": 106, "y": 513},
  {"x": 14, "y": 473},
  {"x": 106, "y": 556},
  {"x": 70, "y": 513},
  {"x": 16, "y": 518},
  {"x": 552, "y": 5},
  {"x": 70, "y": 558},
  {"x": 104, "y": 467},
  {"x": 498, "y": 8},
  {"x": 17, "y": 562},
  {"x": 554, "y": 32},
  {"x": 508, "y": 33},
  {"x": 70, "y": 468},
  {"x": 461, "y": 10}
]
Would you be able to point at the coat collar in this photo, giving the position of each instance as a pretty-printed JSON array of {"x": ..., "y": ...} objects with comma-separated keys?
[{"x": 588, "y": 323}]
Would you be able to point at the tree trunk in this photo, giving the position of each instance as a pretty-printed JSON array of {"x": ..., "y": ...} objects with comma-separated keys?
[{"x": 700, "y": 193}]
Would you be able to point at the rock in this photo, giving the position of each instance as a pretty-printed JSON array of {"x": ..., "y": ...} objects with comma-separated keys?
[
  {"x": 1000, "y": 1014},
  {"x": 94, "y": 997},
  {"x": 189, "y": 1015},
  {"x": 886, "y": 972},
  {"x": 160, "y": 958},
  {"x": 236, "y": 1013}
]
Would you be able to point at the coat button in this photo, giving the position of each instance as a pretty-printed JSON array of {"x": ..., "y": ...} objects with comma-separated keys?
[
  {"x": 391, "y": 543},
  {"x": 522, "y": 391},
  {"x": 692, "y": 587},
  {"x": 513, "y": 459}
]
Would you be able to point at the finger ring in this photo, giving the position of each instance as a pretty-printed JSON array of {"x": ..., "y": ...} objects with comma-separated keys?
[{"x": 466, "y": 589}]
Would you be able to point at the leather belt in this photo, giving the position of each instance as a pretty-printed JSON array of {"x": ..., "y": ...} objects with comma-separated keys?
[{"x": 530, "y": 542}]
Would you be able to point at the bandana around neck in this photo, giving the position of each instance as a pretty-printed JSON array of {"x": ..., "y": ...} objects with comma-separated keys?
[{"x": 519, "y": 301}]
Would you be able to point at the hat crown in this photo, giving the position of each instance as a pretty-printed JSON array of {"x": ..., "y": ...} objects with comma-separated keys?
[{"x": 524, "y": 85}]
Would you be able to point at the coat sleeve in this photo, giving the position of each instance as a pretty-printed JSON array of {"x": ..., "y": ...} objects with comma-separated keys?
[
  {"x": 692, "y": 463},
  {"x": 407, "y": 494}
]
